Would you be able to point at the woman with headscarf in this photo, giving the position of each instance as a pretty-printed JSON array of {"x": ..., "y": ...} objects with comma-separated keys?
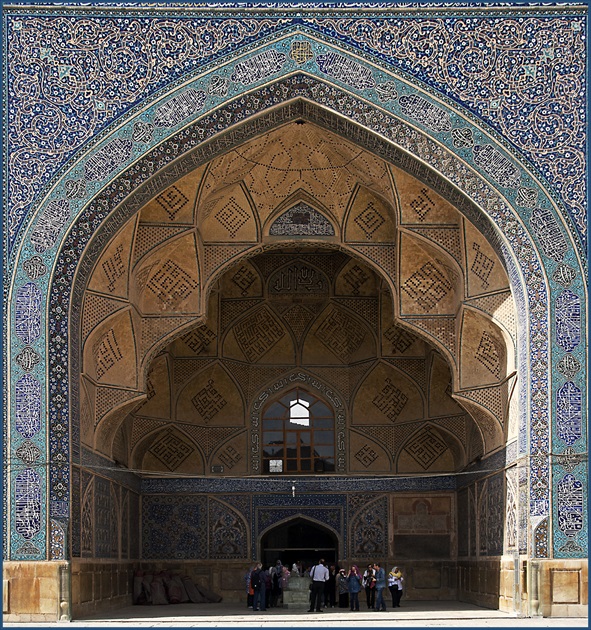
[
  {"x": 249, "y": 589},
  {"x": 343, "y": 588},
  {"x": 392, "y": 586},
  {"x": 397, "y": 590}
]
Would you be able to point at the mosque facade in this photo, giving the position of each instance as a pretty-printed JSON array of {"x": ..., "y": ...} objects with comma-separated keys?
[{"x": 283, "y": 280}]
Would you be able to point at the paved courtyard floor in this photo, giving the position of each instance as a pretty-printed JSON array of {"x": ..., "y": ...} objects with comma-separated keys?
[{"x": 225, "y": 615}]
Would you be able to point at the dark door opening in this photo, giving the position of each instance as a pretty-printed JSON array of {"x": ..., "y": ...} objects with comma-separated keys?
[{"x": 299, "y": 541}]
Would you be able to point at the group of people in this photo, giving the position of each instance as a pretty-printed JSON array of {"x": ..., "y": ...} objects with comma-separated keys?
[
  {"x": 264, "y": 587},
  {"x": 373, "y": 581}
]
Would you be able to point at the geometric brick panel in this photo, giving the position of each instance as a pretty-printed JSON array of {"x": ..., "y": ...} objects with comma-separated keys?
[
  {"x": 482, "y": 266},
  {"x": 427, "y": 286},
  {"x": 155, "y": 328},
  {"x": 142, "y": 426},
  {"x": 340, "y": 333},
  {"x": 108, "y": 397},
  {"x": 492, "y": 398},
  {"x": 96, "y": 309},
  {"x": 148, "y": 237},
  {"x": 232, "y": 309},
  {"x": 490, "y": 353},
  {"x": 416, "y": 369},
  {"x": 367, "y": 309},
  {"x": 426, "y": 448},
  {"x": 216, "y": 256},
  {"x": 185, "y": 369},
  {"x": 208, "y": 402},
  {"x": 171, "y": 450},
  {"x": 258, "y": 333},
  {"x": 383, "y": 255},
  {"x": 390, "y": 401}
]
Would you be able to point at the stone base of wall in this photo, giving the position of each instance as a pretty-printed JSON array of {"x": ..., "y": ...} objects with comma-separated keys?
[
  {"x": 101, "y": 586},
  {"x": 563, "y": 588},
  {"x": 530, "y": 588},
  {"x": 38, "y": 591},
  {"x": 479, "y": 582},
  {"x": 33, "y": 591},
  {"x": 428, "y": 580}
]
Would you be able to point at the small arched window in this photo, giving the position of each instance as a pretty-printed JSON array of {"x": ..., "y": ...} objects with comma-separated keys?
[{"x": 298, "y": 435}]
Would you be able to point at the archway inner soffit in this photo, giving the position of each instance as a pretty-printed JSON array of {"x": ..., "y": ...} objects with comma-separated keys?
[
  {"x": 294, "y": 157},
  {"x": 341, "y": 331}
]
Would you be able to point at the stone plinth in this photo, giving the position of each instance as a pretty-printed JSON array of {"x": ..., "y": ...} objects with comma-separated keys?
[{"x": 296, "y": 594}]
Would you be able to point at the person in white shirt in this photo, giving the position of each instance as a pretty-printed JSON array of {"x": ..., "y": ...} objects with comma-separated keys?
[
  {"x": 319, "y": 575},
  {"x": 396, "y": 591}
]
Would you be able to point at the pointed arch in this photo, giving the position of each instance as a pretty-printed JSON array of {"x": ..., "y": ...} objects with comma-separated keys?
[{"x": 62, "y": 230}]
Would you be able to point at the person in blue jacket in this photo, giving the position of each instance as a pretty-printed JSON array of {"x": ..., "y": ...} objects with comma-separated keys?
[
  {"x": 380, "y": 586},
  {"x": 354, "y": 584}
]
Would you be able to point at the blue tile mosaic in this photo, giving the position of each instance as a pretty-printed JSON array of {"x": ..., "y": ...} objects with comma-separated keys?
[
  {"x": 569, "y": 413},
  {"x": 28, "y": 313},
  {"x": 555, "y": 43},
  {"x": 434, "y": 86},
  {"x": 568, "y": 320}
]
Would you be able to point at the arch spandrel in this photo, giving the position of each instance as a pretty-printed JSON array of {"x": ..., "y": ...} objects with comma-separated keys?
[
  {"x": 252, "y": 338},
  {"x": 368, "y": 455},
  {"x": 355, "y": 277},
  {"x": 167, "y": 280},
  {"x": 369, "y": 218},
  {"x": 512, "y": 231},
  {"x": 170, "y": 450},
  {"x": 245, "y": 283},
  {"x": 111, "y": 275},
  {"x": 230, "y": 456},
  {"x": 176, "y": 204},
  {"x": 418, "y": 203},
  {"x": 338, "y": 337},
  {"x": 485, "y": 357},
  {"x": 430, "y": 281},
  {"x": 486, "y": 271}
]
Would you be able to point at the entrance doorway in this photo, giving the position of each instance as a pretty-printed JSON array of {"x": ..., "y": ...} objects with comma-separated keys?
[{"x": 299, "y": 540}]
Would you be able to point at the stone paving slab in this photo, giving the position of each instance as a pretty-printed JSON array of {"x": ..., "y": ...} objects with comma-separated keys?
[{"x": 222, "y": 615}]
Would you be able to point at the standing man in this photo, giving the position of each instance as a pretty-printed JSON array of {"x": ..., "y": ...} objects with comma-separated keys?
[
  {"x": 369, "y": 582},
  {"x": 380, "y": 586},
  {"x": 319, "y": 575}
]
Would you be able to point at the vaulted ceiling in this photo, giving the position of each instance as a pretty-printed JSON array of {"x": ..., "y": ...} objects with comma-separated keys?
[{"x": 297, "y": 250}]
